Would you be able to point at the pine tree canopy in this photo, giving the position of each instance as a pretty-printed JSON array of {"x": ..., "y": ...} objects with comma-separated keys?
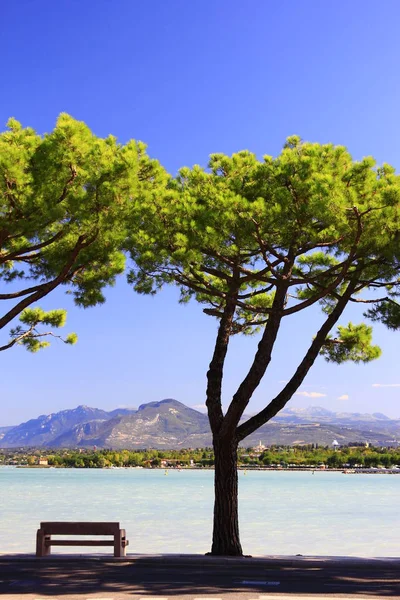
[
  {"x": 63, "y": 202},
  {"x": 258, "y": 241}
]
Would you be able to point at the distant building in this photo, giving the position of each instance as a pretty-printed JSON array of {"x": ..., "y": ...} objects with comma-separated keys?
[
  {"x": 259, "y": 449},
  {"x": 43, "y": 461},
  {"x": 335, "y": 444}
]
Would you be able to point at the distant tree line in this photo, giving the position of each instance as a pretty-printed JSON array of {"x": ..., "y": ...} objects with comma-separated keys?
[{"x": 310, "y": 456}]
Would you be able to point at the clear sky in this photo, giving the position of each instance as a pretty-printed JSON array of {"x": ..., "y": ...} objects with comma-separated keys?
[{"x": 191, "y": 78}]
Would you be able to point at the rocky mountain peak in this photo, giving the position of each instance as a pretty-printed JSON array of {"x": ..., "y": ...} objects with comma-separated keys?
[{"x": 171, "y": 424}]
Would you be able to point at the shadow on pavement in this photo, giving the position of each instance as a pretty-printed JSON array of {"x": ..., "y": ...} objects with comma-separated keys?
[{"x": 160, "y": 576}]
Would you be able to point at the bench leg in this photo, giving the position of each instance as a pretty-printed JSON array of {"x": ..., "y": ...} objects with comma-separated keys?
[
  {"x": 119, "y": 543},
  {"x": 42, "y": 549}
]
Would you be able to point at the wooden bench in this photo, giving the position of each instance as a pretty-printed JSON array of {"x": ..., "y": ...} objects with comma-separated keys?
[{"x": 44, "y": 540}]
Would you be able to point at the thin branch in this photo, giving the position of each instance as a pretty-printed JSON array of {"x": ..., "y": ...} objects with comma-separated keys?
[
  {"x": 372, "y": 208},
  {"x": 383, "y": 299},
  {"x": 207, "y": 289},
  {"x": 25, "y": 292},
  {"x": 26, "y": 249},
  {"x": 214, "y": 272},
  {"x": 258, "y": 275},
  {"x": 47, "y": 287},
  {"x": 17, "y": 339},
  {"x": 307, "y": 248},
  {"x": 261, "y": 243},
  {"x": 74, "y": 173},
  {"x": 33, "y": 335},
  {"x": 214, "y": 254},
  {"x": 256, "y": 292}
]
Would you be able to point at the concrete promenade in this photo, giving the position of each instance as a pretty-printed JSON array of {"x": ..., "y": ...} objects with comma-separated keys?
[{"x": 196, "y": 577}]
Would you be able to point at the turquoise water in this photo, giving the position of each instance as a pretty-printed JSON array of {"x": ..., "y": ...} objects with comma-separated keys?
[{"x": 280, "y": 512}]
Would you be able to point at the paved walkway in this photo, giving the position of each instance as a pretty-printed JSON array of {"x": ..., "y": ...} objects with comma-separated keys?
[{"x": 196, "y": 577}]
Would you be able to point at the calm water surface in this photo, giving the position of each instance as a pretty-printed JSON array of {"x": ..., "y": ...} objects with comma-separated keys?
[{"x": 280, "y": 512}]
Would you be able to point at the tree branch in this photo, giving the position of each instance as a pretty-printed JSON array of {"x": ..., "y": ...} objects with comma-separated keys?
[
  {"x": 24, "y": 292},
  {"x": 374, "y": 300},
  {"x": 74, "y": 173},
  {"x": 342, "y": 274},
  {"x": 215, "y": 372},
  {"x": 26, "y": 249},
  {"x": 263, "y": 355},
  {"x": 17, "y": 339},
  {"x": 290, "y": 388},
  {"x": 34, "y": 335},
  {"x": 47, "y": 287}
]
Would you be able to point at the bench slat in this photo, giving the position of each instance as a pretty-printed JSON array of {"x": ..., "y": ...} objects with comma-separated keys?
[
  {"x": 79, "y": 528},
  {"x": 79, "y": 542},
  {"x": 84, "y": 543}
]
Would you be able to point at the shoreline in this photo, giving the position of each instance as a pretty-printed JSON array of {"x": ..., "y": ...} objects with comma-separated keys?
[{"x": 245, "y": 470}]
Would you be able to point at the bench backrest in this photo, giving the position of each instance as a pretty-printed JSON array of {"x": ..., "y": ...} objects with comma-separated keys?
[{"x": 79, "y": 528}]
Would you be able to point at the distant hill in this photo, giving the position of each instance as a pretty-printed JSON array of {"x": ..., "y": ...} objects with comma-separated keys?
[
  {"x": 46, "y": 429},
  {"x": 171, "y": 424},
  {"x": 3, "y": 431},
  {"x": 360, "y": 421}
]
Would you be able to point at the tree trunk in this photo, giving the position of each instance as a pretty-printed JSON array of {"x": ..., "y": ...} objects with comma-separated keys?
[{"x": 226, "y": 540}]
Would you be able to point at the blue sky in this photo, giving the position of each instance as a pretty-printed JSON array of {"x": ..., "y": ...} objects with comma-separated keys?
[{"x": 189, "y": 79}]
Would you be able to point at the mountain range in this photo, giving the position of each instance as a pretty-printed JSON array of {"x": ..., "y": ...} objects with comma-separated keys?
[{"x": 171, "y": 424}]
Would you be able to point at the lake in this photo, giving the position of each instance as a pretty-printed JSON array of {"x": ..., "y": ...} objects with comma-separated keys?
[{"x": 280, "y": 512}]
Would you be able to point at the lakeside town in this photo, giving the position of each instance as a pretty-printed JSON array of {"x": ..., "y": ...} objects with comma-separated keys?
[{"x": 310, "y": 456}]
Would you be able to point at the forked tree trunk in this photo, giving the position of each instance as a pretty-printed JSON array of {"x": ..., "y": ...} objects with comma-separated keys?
[{"x": 226, "y": 540}]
